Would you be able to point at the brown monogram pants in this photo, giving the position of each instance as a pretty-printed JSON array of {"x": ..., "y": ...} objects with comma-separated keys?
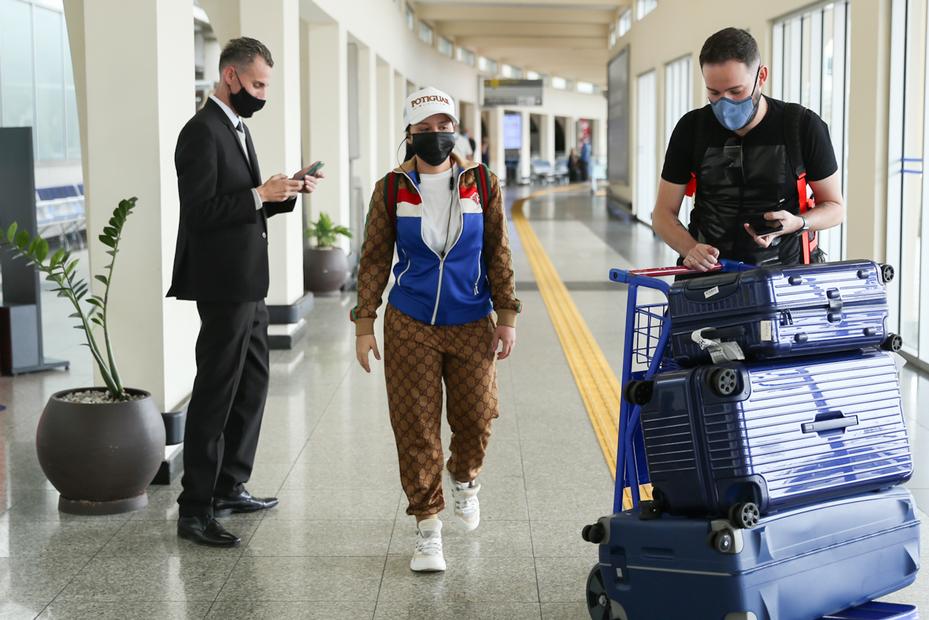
[{"x": 417, "y": 358}]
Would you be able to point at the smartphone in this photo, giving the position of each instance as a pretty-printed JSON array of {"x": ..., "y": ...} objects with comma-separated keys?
[
  {"x": 763, "y": 226},
  {"x": 310, "y": 171}
]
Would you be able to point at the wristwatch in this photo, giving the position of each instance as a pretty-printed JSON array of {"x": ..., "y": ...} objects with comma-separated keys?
[{"x": 805, "y": 226}]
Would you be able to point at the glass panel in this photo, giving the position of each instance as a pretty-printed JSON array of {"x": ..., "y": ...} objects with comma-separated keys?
[
  {"x": 17, "y": 87},
  {"x": 71, "y": 120},
  {"x": 49, "y": 73}
]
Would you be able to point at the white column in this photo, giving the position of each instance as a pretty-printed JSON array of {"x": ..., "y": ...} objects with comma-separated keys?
[
  {"x": 570, "y": 134},
  {"x": 388, "y": 118},
  {"x": 525, "y": 150},
  {"x": 474, "y": 124},
  {"x": 497, "y": 152},
  {"x": 598, "y": 137},
  {"x": 547, "y": 137},
  {"x": 276, "y": 133},
  {"x": 327, "y": 93},
  {"x": 399, "y": 150},
  {"x": 368, "y": 169},
  {"x": 128, "y": 150}
]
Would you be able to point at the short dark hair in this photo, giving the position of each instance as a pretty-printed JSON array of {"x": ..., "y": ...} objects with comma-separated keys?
[
  {"x": 242, "y": 51},
  {"x": 730, "y": 44}
]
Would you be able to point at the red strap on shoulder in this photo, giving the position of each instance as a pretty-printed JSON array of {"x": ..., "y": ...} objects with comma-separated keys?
[
  {"x": 482, "y": 185},
  {"x": 807, "y": 244},
  {"x": 691, "y": 188}
]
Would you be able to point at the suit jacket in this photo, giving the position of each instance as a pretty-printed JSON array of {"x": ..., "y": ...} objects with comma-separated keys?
[{"x": 222, "y": 240}]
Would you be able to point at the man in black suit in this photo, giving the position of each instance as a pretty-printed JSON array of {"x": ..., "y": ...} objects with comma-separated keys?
[{"x": 221, "y": 262}]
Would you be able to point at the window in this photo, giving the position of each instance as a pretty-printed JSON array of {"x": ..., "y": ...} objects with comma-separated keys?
[
  {"x": 410, "y": 18},
  {"x": 559, "y": 83},
  {"x": 487, "y": 65},
  {"x": 810, "y": 67},
  {"x": 445, "y": 47},
  {"x": 907, "y": 184},
  {"x": 586, "y": 87},
  {"x": 644, "y": 7},
  {"x": 625, "y": 23},
  {"x": 612, "y": 38},
  {"x": 532, "y": 75},
  {"x": 465, "y": 56},
  {"x": 646, "y": 151},
  {"x": 36, "y": 80},
  {"x": 510, "y": 71},
  {"x": 678, "y": 93},
  {"x": 425, "y": 33}
]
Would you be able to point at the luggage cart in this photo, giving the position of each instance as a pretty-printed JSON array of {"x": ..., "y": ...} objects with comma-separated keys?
[{"x": 645, "y": 354}]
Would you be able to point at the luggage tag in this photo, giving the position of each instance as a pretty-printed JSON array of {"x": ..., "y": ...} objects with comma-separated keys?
[{"x": 719, "y": 351}]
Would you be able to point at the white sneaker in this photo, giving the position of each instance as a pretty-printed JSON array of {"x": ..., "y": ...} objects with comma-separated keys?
[
  {"x": 428, "y": 554},
  {"x": 467, "y": 506}
]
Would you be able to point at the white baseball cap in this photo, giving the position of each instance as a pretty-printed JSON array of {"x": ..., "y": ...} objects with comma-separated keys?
[{"x": 425, "y": 102}]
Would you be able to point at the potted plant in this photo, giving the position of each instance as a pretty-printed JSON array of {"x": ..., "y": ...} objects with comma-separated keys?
[
  {"x": 99, "y": 446},
  {"x": 325, "y": 266}
]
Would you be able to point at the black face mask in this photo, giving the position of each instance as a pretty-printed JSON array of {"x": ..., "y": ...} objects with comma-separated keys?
[
  {"x": 433, "y": 147},
  {"x": 244, "y": 102}
]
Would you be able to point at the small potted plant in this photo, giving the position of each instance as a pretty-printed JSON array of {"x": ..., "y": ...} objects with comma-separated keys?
[
  {"x": 99, "y": 446},
  {"x": 325, "y": 266}
]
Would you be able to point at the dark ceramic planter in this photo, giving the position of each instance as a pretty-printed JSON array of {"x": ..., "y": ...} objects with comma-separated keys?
[
  {"x": 101, "y": 457},
  {"x": 325, "y": 270}
]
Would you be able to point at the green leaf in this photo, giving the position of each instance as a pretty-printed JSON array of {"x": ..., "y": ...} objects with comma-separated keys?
[
  {"x": 22, "y": 240},
  {"x": 111, "y": 232},
  {"x": 11, "y": 232},
  {"x": 69, "y": 268},
  {"x": 41, "y": 250},
  {"x": 107, "y": 241},
  {"x": 96, "y": 320},
  {"x": 102, "y": 279},
  {"x": 57, "y": 257},
  {"x": 93, "y": 301},
  {"x": 74, "y": 315}
]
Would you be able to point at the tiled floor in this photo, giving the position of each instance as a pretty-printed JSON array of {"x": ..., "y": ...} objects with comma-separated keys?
[{"x": 338, "y": 546}]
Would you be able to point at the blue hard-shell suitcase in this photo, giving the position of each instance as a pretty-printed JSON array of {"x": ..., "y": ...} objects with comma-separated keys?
[
  {"x": 799, "y": 564},
  {"x": 773, "y": 312},
  {"x": 742, "y": 439},
  {"x": 876, "y": 610}
]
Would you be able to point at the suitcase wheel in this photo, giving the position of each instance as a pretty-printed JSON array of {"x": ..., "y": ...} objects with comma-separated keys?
[
  {"x": 723, "y": 541},
  {"x": 892, "y": 342},
  {"x": 638, "y": 392},
  {"x": 598, "y": 601},
  {"x": 744, "y": 515},
  {"x": 724, "y": 381},
  {"x": 887, "y": 272},
  {"x": 594, "y": 533}
]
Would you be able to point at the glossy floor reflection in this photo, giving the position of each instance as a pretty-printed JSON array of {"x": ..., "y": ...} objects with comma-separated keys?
[{"x": 338, "y": 546}]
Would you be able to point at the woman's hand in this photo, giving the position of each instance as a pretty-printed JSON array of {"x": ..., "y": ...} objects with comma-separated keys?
[
  {"x": 788, "y": 222},
  {"x": 363, "y": 346},
  {"x": 507, "y": 337}
]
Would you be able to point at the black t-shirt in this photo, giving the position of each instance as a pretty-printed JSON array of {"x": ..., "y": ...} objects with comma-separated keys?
[{"x": 818, "y": 154}]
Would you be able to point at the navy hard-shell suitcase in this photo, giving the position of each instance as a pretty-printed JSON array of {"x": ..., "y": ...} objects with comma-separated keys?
[
  {"x": 799, "y": 564},
  {"x": 773, "y": 312},
  {"x": 741, "y": 439},
  {"x": 876, "y": 610}
]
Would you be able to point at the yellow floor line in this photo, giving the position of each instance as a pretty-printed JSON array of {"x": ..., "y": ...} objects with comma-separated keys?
[{"x": 597, "y": 383}]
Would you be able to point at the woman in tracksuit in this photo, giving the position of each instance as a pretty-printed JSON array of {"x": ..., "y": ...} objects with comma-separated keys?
[{"x": 454, "y": 271}]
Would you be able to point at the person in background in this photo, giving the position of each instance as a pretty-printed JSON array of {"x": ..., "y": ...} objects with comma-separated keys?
[
  {"x": 485, "y": 151},
  {"x": 574, "y": 167},
  {"x": 464, "y": 146},
  {"x": 585, "y": 159},
  {"x": 454, "y": 272}
]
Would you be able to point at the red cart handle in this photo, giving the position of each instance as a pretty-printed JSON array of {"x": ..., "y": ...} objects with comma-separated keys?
[{"x": 680, "y": 270}]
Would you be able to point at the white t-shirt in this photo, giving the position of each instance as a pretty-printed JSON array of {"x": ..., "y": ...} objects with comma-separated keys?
[{"x": 441, "y": 221}]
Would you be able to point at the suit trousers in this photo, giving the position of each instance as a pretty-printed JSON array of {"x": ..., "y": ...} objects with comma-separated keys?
[{"x": 227, "y": 403}]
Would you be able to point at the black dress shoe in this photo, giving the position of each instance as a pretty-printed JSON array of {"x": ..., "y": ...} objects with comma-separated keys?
[
  {"x": 206, "y": 531},
  {"x": 241, "y": 502}
]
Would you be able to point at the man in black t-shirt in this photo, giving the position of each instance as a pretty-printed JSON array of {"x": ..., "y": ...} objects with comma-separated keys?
[{"x": 737, "y": 150}]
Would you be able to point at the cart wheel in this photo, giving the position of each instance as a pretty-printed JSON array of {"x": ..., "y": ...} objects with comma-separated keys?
[
  {"x": 744, "y": 515},
  {"x": 639, "y": 392},
  {"x": 892, "y": 342},
  {"x": 723, "y": 542},
  {"x": 725, "y": 381},
  {"x": 598, "y": 601},
  {"x": 887, "y": 272}
]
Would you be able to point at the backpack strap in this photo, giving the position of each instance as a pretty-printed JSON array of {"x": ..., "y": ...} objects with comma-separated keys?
[
  {"x": 483, "y": 186},
  {"x": 699, "y": 149},
  {"x": 391, "y": 190},
  {"x": 793, "y": 114}
]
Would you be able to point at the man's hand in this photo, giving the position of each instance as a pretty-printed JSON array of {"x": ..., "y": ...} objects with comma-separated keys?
[
  {"x": 505, "y": 336},
  {"x": 701, "y": 257},
  {"x": 363, "y": 346},
  {"x": 310, "y": 181},
  {"x": 789, "y": 223},
  {"x": 279, "y": 188}
]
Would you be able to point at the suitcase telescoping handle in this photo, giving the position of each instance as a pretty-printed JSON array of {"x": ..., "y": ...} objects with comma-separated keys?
[{"x": 649, "y": 277}]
